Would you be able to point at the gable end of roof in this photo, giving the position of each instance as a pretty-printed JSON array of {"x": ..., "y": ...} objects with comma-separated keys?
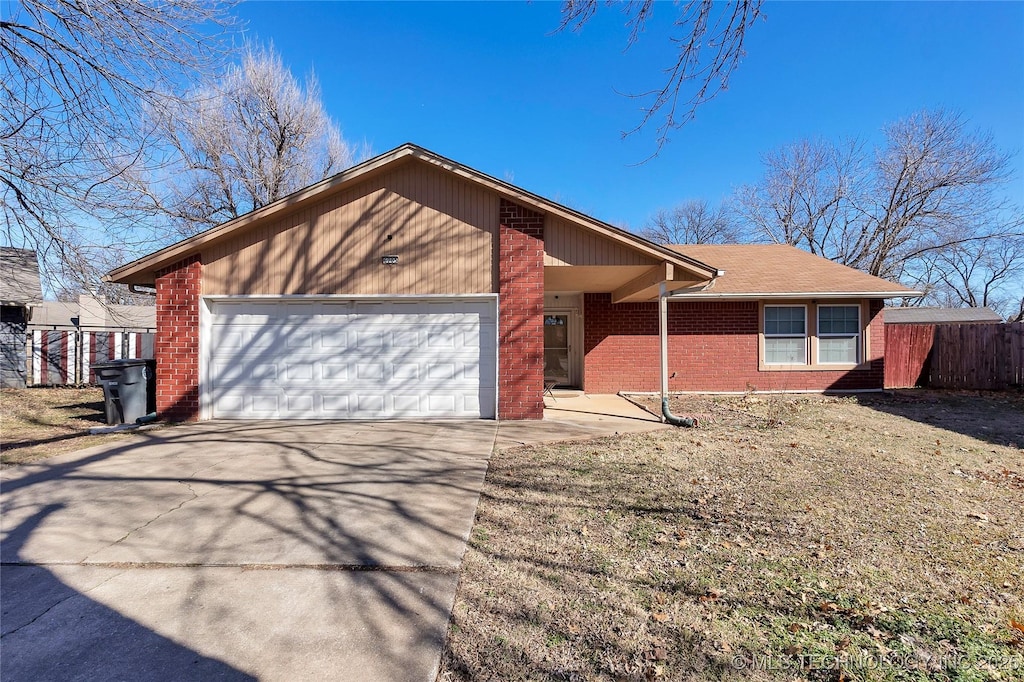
[{"x": 130, "y": 272}]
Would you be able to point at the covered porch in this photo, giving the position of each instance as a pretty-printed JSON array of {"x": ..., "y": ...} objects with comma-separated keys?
[{"x": 565, "y": 314}]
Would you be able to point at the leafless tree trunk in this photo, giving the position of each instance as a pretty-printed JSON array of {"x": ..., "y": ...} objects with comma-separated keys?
[
  {"x": 76, "y": 80},
  {"x": 709, "y": 41},
  {"x": 244, "y": 141},
  {"x": 691, "y": 222}
]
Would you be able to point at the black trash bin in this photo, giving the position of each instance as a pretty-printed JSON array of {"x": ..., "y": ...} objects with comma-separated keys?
[{"x": 129, "y": 389}]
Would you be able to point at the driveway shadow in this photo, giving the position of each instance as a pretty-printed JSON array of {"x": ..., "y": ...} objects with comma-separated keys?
[
  {"x": 305, "y": 550},
  {"x": 51, "y": 631}
]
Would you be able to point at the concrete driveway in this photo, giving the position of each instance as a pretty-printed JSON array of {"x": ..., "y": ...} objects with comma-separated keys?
[{"x": 241, "y": 550}]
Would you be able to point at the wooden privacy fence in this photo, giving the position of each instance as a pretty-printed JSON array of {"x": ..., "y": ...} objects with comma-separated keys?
[
  {"x": 961, "y": 356},
  {"x": 65, "y": 357}
]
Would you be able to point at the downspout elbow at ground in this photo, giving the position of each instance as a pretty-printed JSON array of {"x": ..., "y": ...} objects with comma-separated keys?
[
  {"x": 666, "y": 413},
  {"x": 672, "y": 419}
]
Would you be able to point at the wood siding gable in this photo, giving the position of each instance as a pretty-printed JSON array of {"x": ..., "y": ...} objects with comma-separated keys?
[
  {"x": 568, "y": 244},
  {"x": 442, "y": 228}
]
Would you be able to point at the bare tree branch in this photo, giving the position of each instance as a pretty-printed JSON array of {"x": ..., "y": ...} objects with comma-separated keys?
[
  {"x": 985, "y": 272},
  {"x": 708, "y": 37},
  {"x": 76, "y": 78}
]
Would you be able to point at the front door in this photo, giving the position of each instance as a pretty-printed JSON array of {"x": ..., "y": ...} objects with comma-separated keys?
[{"x": 558, "y": 349}]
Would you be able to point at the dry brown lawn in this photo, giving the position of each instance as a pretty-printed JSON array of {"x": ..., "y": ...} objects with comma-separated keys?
[
  {"x": 786, "y": 538},
  {"x": 42, "y": 422}
]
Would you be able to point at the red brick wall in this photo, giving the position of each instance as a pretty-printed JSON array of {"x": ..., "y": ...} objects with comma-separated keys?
[
  {"x": 521, "y": 313},
  {"x": 712, "y": 346},
  {"x": 178, "y": 288}
]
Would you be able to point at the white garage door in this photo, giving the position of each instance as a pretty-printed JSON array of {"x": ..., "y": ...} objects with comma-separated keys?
[{"x": 351, "y": 359}]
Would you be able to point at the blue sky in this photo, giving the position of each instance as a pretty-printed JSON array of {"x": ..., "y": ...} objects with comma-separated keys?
[{"x": 491, "y": 85}]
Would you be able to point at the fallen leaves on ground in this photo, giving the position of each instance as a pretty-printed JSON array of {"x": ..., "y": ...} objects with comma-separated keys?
[{"x": 837, "y": 545}]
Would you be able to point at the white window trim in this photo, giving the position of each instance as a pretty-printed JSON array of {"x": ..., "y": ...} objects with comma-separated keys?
[
  {"x": 764, "y": 322},
  {"x": 858, "y": 336}
]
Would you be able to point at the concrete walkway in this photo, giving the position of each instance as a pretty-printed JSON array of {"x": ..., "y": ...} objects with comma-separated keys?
[
  {"x": 572, "y": 415},
  {"x": 236, "y": 551}
]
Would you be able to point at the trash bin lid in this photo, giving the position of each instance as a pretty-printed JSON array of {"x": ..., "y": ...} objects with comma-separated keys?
[{"x": 118, "y": 364}]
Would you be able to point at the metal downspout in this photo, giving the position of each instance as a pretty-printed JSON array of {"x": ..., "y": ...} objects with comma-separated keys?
[{"x": 663, "y": 337}]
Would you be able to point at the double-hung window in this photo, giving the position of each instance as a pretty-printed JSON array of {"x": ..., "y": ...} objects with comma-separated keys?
[
  {"x": 838, "y": 334},
  {"x": 785, "y": 335}
]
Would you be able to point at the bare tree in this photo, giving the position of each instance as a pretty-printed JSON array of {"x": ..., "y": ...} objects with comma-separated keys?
[
  {"x": 691, "y": 222},
  {"x": 805, "y": 196},
  {"x": 77, "y": 77},
  {"x": 708, "y": 38},
  {"x": 988, "y": 272},
  {"x": 245, "y": 140},
  {"x": 932, "y": 188}
]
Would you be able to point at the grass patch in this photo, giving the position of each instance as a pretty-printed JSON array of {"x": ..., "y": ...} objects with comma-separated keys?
[
  {"x": 41, "y": 422},
  {"x": 788, "y": 538}
]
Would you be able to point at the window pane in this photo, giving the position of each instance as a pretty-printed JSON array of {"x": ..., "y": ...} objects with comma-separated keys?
[
  {"x": 785, "y": 351},
  {"x": 838, "y": 319},
  {"x": 841, "y": 349},
  {"x": 784, "y": 320}
]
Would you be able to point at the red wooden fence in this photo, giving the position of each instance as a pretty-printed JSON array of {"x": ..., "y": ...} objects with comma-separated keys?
[
  {"x": 907, "y": 348},
  {"x": 961, "y": 356}
]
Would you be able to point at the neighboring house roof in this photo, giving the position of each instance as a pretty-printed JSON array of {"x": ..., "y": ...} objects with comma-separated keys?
[
  {"x": 783, "y": 271},
  {"x": 91, "y": 313},
  {"x": 141, "y": 271},
  {"x": 19, "y": 277},
  {"x": 940, "y": 315},
  {"x": 55, "y": 314}
]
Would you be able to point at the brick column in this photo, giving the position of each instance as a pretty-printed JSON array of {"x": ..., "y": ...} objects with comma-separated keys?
[
  {"x": 178, "y": 288},
  {"x": 521, "y": 314}
]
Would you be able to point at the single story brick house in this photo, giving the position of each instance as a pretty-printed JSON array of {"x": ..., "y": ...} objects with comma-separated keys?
[{"x": 413, "y": 286}]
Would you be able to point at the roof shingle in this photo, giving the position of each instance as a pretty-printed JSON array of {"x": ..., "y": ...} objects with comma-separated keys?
[{"x": 780, "y": 270}]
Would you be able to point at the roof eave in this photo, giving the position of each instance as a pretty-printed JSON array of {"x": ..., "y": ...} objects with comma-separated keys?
[{"x": 800, "y": 294}]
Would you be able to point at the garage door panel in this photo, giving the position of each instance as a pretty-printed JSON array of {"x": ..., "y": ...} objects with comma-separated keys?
[
  {"x": 335, "y": 339},
  {"x": 330, "y": 372},
  {"x": 298, "y": 341},
  {"x": 299, "y": 404},
  {"x": 352, "y": 359},
  {"x": 266, "y": 403},
  {"x": 441, "y": 403},
  {"x": 407, "y": 403},
  {"x": 232, "y": 404},
  {"x": 299, "y": 372},
  {"x": 335, "y": 404}
]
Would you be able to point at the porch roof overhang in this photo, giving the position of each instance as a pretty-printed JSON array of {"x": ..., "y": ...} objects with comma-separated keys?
[{"x": 625, "y": 283}]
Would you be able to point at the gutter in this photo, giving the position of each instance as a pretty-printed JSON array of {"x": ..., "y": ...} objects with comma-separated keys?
[
  {"x": 141, "y": 289},
  {"x": 666, "y": 413}
]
